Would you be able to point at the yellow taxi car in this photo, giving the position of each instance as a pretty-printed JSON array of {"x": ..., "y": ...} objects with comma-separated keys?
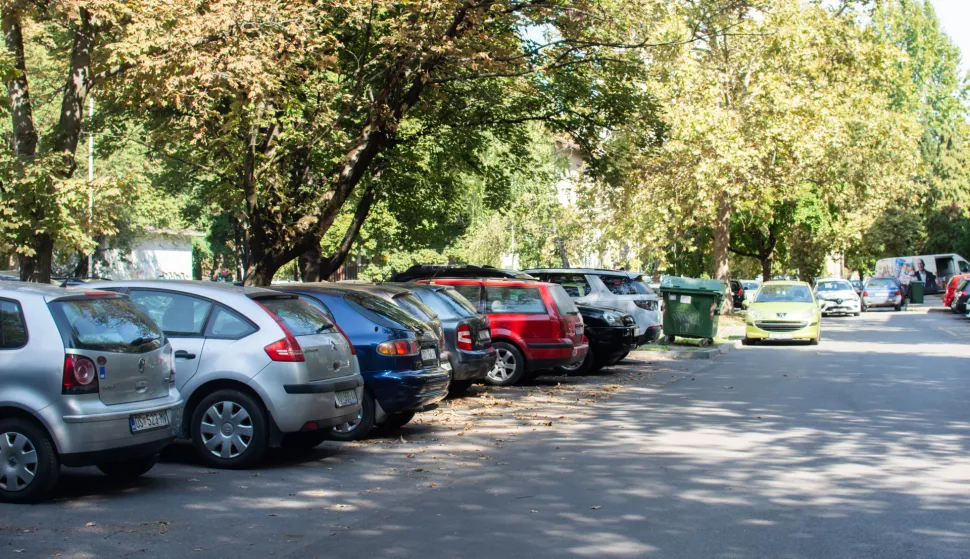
[{"x": 783, "y": 310}]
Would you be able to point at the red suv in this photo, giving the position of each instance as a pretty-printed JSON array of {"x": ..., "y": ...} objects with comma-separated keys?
[{"x": 535, "y": 325}]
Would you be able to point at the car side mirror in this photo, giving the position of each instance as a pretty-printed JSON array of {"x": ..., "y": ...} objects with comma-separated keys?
[{"x": 744, "y": 304}]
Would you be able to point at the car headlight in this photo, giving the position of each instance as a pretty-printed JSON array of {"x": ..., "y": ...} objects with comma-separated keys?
[
  {"x": 754, "y": 315},
  {"x": 613, "y": 319}
]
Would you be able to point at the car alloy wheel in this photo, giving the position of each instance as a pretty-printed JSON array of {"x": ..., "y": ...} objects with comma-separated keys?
[
  {"x": 18, "y": 461},
  {"x": 346, "y": 428},
  {"x": 227, "y": 429},
  {"x": 504, "y": 366}
]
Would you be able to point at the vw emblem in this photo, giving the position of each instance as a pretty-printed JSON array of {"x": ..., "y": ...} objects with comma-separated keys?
[{"x": 141, "y": 365}]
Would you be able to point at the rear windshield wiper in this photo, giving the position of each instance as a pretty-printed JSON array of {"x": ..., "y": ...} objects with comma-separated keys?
[{"x": 143, "y": 340}]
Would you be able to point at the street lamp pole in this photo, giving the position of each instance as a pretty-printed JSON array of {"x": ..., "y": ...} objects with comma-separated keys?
[{"x": 91, "y": 180}]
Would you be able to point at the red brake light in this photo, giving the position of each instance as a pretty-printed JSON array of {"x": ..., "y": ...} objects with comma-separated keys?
[
  {"x": 80, "y": 376},
  {"x": 98, "y": 294},
  {"x": 865, "y": 293},
  {"x": 464, "y": 337},
  {"x": 287, "y": 349}
]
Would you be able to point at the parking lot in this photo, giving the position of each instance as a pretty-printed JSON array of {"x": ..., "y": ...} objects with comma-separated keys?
[{"x": 854, "y": 448}]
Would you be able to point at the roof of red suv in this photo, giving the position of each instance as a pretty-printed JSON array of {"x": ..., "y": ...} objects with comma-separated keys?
[{"x": 483, "y": 281}]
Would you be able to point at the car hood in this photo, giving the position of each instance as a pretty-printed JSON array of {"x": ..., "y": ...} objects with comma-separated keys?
[{"x": 772, "y": 310}]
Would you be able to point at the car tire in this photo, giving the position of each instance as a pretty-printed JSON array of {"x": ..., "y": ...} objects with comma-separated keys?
[
  {"x": 582, "y": 368},
  {"x": 667, "y": 340},
  {"x": 304, "y": 441},
  {"x": 126, "y": 470},
  {"x": 27, "y": 443},
  {"x": 898, "y": 308},
  {"x": 398, "y": 420},
  {"x": 460, "y": 386},
  {"x": 509, "y": 365},
  {"x": 248, "y": 429},
  {"x": 856, "y": 314},
  {"x": 620, "y": 358},
  {"x": 354, "y": 431}
]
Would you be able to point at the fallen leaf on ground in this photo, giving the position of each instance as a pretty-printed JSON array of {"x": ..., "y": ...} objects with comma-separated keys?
[
  {"x": 597, "y": 507},
  {"x": 729, "y": 387},
  {"x": 91, "y": 524}
]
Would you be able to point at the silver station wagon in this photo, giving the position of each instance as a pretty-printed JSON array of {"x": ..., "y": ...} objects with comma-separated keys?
[
  {"x": 257, "y": 368},
  {"x": 86, "y": 378}
]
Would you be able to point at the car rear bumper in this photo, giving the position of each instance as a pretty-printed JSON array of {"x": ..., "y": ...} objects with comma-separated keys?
[
  {"x": 875, "y": 302},
  {"x": 651, "y": 334},
  {"x": 82, "y": 425},
  {"x": 295, "y": 405},
  {"x": 472, "y": 365},
  {"x": 410, "y": 389},
  {"x": 612, "y": 342}
]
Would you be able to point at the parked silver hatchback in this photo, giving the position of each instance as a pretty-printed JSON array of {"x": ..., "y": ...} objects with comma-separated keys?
[
  {"x": 257, "y": 368},
  {"x": 86, "y": 378}
]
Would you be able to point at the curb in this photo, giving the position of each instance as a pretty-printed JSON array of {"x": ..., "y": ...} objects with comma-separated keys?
[{"x": 686, "y": 355}]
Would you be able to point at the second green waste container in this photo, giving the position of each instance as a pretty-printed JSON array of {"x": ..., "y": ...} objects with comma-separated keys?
[
  {"x": 692, "y": 308},
  {"x": 916, "y": 290}
]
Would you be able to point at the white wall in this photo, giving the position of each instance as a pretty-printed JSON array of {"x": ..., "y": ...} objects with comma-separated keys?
[{"x": 152, "y": 255}]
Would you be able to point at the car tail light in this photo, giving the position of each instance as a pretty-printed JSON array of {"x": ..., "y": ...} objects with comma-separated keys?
[
  {"x": 865, "y": 293},
  {"x": 740, "y": 292},
  {"x": 464, "y": 337},
  {"x": 398, "y": 347},
  {"x": 288, "y": 349},
  {"x": 80, "y": 376},
  {"x": 649, "y": 305}
]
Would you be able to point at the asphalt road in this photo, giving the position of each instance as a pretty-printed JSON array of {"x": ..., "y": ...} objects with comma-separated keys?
[{"x": 856, "y": 448}]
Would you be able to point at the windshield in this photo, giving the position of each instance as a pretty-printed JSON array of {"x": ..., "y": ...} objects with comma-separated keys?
[
  {"x": 834, "y": 286},
  {"x": 111, "y": 324},
  {"x": 784, "y": 294}
]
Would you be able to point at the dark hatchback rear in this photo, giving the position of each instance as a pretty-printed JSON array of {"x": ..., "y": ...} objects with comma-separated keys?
[
  {"x": 397, "y": 352},
  {"x": 467, "y": 334}
]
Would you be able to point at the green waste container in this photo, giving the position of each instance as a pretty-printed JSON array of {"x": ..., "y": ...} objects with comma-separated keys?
[
  {"x": 692, "y": 308},
  {"x": 916, "y": 290}
]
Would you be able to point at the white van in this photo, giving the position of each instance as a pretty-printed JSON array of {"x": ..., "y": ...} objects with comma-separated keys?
[{"x": 932, "y": 270}]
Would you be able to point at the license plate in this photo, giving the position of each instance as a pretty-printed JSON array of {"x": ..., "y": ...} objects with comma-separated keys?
[
  {"x": 781, "y": 336},
  {"x": 148, "y": 421},
  {"x": 428, "y": 355},
  {"x": 636, "y": 331},
  {"x": 484, "y": 335},
  {"x": 579, "y": 329},
  {"x": 345, "y": 398}
]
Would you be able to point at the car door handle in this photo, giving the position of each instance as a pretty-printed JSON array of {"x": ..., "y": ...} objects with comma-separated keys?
[{"x": 182, "y": 354}]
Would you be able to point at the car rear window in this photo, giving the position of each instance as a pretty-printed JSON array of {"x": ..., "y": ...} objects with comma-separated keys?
[
  {"x": 111, "y": 324},
  {"x": 415, "y": 306},
  {"x": 963, "y": 284},
  {"x": 385, "y": 310},
  {"x": 514, "y": 300},
  {"x": 881, "y": 282},
  {"x": 624, "y": 285},
  {"x": 13, "y": 331},
  {"x": 301, "y": 318},
  {"x": 446, "y": 303},
  {"x": 563, "y": 302}
]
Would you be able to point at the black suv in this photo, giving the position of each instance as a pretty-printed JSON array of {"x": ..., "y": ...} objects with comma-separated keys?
[
  {"x": 431, "y": 271},
  {"x": 612, "y": 334}
]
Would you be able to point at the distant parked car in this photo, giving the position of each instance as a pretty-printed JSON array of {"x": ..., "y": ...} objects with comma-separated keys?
[
  {"x": 85, "y": 379},
  {"x": 257, "y": 368},
  {"x": 837, "y": 296},
  {"x": 783, "y": 310},
  {"x": 737, "y": 293},
  {"x": 468, "y": 337},
  {"x": 611, "y": 333},
  {"x": 960, "y": 296},
  {"x": 398, "y": 354},
  {"x": 615, "y": 289},
  {"x": 951, "y": 287},
  {"x": 882, "y": 292},
  {"x": 430, "y": 271},
  {"x": 750, "y": 290},
  {"x": 535, "y": 325},
  {"x": 857, "y": 285}
]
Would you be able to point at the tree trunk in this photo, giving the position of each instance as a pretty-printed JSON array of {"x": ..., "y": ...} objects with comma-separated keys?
[
  {"x": 76, "y": 90},
  {"x": 766, "y": 267},
  {"x": 722, "y": 246},
  {"x": 309, "y": 264}
]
